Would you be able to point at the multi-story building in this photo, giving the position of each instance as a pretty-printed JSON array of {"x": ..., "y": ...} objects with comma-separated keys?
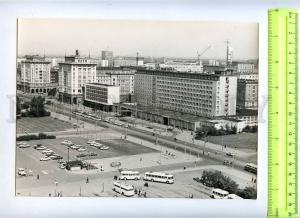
[
  {"x": 107, "y": 58},
  {"x": 101, "y": 96},
  {"x": 34, "y": 75},
  {"x": 198, "y": 94},
  {"x": 245, "y": 68},
  {"x": 128, "y": 61},
  {"x": 183, "y": 67},
  {"x": 247, "y": 96},
  {"x": 74, "y": 73},
  {"x": 122, "y": 77}
]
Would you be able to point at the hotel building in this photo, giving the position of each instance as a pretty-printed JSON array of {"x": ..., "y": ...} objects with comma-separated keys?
[
  {"x": 34, "y": 75},
  {"x": 74, "y": 73},
  {"x": 198, "y": 94}
]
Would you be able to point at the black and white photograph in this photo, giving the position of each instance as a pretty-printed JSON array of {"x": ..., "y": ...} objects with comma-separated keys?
[{"x": 137, "y": 108}]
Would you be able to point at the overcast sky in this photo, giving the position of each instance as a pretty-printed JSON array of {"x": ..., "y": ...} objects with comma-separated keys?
[{"x": 149, "y": 38}]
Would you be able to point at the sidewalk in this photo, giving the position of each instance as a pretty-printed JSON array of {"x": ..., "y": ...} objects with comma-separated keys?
[{"x": 187, "y": 137}]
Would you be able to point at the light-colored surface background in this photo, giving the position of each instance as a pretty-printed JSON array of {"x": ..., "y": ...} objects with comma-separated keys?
[{"x": 11, "y": 206}]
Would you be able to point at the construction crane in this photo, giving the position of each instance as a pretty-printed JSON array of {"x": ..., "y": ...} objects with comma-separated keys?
[{"x": 200, "y": 54}]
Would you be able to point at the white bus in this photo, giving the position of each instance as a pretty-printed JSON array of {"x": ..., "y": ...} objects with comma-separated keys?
[
  {"x": 130, "y": 175},
  {"x": 159, "y": 177},
  {"x": 250, "y": 167},
  {"x": 218, "y": 193},
  {"x": 123, "y": 189},
  {"x": 233, "y": 196}
]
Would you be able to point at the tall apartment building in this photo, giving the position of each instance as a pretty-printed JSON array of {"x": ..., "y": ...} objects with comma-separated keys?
[
  {"x": 247, "y": 96},
  {"x": 34, "y": 75},
  {"x": 198, "y": 94},
  {"x": 122, "y": 77},
  {"x": 74, "y": 73}
]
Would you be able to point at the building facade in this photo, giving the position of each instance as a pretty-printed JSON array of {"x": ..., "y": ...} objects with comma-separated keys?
[
  {"x": 247, "y": 96},
  {"x": 74, "y": 73},
  {"x": 101, "y": 96},
  {"x": 122, "y": 77},
  {"x": 198, "y": 94},
  {"x": 34, "y": 75}
]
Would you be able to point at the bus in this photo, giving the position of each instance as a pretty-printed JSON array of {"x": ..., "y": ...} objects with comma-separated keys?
[
  {"x": 159, "y": 177},
  {"x": 252, "y": 168},
  {"x": 133, "y": 175},
  {"x": 233, "y": 196},
  {"x": 218, "y": 193},
  {"x": 123, "y": 189}
]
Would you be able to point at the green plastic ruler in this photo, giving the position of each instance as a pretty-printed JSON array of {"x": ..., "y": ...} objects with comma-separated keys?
[{"x": 282, "y": 104}]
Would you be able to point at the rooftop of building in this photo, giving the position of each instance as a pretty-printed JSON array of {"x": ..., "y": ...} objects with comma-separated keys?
[
  {"x": 170, "y": 73},
  {"x": 248, "y": 81},
  {"x": 102, "y": 84}
]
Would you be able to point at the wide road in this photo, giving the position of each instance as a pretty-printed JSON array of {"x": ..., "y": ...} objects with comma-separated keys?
[{"x": 197, "y": 150}]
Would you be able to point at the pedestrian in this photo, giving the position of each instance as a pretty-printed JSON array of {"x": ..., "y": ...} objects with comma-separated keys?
[
  {"x": 87, "y": 179},
  {"x": 49, "y": 194},
  {"x": 254, "y": 180},
  {"x": 37, "y": 176},
  {"x": 192, "y": 196},
  {"x": 145, "y": 194},
  {"x": 139, "y": 192}
]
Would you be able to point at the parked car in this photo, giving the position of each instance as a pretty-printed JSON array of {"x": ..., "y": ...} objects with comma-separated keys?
[
  {"x": 56, "y": 157},
  {"x": 45, "y": 158},
  {"x": 81, "y": 155},
  {"x": 37, "y": 145},
  {"x": 230, "y": 154},
  {"x": 41, "y": 148},
  {"x": 93, "y": 154},
  {"x": 24, "y": 146},
  {"x": 21, "y": 172},
  {"x": 104, "y": 147},
  {"x": 91, "y": 141},
  {"x": 62, "y": 166},
  {"x": 81, "y": 149}
]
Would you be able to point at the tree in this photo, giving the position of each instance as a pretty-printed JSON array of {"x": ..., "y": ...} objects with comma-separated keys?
[
  {"x": 37, "y": 107},
  {"x": 52, "y": 92},
  {"x": 201, "y": 132},
  {"x": 217, "y": 180},
  {"x": 248, "y": 193}
]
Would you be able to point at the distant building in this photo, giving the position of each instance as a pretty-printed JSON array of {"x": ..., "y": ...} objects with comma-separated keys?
[
  {"x": 74, "y": 73},
  {"x": 247, "y": 96},
  {"x": 107, "y": 58},
  {"x": 117, "y": 76},
  {"x": 182, "y": 67},
  {"x": 101, "y": 96},
  {"x": 128, "y": 61},
  {"x": 213, "y": 62},
  {"x": 199, "y": 94},
  {"x": 245, "y": 68},
  {"x": 253, "y": 76},
  {"x": 34, "y": 75}
]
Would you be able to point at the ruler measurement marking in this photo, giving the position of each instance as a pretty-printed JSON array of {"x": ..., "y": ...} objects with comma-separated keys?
[{"x": 282, "y": 101}]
